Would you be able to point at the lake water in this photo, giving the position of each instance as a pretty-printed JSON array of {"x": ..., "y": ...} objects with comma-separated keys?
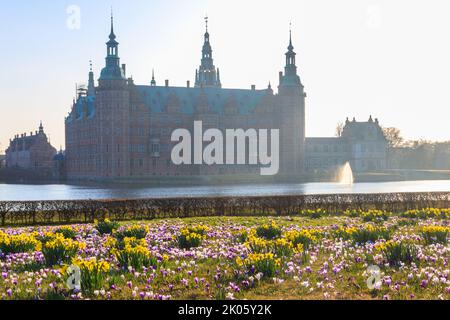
[{"x": 19, "y": 192}]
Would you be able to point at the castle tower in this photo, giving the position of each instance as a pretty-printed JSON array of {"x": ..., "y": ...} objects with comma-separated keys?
[
  {"x": 291, "y": 104},
  {"x": 41, "y": 128},
  {"x": 113, "y": 114},
  {"x": 207, "y": 75},
  {"x": 112, "y": 70},
  {"x": 290, "y": 79}
]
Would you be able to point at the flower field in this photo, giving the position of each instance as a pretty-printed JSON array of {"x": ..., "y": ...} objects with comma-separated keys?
[{"x": 312, "y": 255}]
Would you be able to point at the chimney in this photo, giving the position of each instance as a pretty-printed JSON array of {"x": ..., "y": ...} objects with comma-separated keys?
[
  {"x": 124, "y": 68},
  {"x": 253, "y": 87},
  {"x": 167, "y": 83},
  {"x": 188, "y": 84},
  {"x": 281, "y": 76}
]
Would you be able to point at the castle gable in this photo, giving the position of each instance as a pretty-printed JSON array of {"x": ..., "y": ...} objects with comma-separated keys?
[{"x": 84, "y": 107}]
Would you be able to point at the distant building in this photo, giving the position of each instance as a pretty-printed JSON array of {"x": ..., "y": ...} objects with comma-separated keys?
[
  {"x": 2, "y": 161},
  {"x": 362, "y": 144},
  {"x": 31, "y": 152},
  {"x": 59, "y": 166}
]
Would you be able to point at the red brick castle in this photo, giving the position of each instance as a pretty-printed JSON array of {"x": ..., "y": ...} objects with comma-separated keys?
[{"x": 119, "y": 129}]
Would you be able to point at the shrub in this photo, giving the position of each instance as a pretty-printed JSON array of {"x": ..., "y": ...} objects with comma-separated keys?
[
  {"x": 269, "y": 231},
  {"x": 187, "y": 239},
  {"x": 281, "y": 247},
  {"x": 264, "y": 263},
  {"x": 352, "y": 213},
  {"x": 60, "y": 250},
  {"x": 93, "y": 273},
  {"x": 135, "y": 254},
  {"x": 313, "y": 214},
  {"x": 46, "y": 237},
  {"x": 304, "y": 237},
  {"x": 284, "y": 248},
  {"x": 259, "y": 245},
  {"x": 199, "y": 229},
  {"x": 375, "y": 216},
  {"x": 427, "y": 213},
  {"x": 67, "y": 232},
  {"x": 134, "y": 231},
  {"x": 18, "y": 243},
  {"x": 435, "y": 234},
  {"x": 406, "y": 222},
  {"x": 369, "y": 215},
  {"x": 242, "y": 237},
  {"x": 364, "y": 234},
  {"x": 106, "y": 226},
  {"x": 397, "y": 252}
]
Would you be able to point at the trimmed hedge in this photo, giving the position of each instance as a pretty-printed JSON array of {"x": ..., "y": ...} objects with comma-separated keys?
[{"x": 86, "y": 211}]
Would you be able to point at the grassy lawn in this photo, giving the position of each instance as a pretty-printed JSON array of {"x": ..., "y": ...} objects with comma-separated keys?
[{"x": 299, "y": 257}]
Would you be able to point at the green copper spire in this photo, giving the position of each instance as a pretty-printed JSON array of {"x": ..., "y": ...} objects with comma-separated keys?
[
  {"x": 112, "y": 36},
  {"x": 112, "y": 70},
  {"x": 207, "y": 75},
  {"x": 290, "y": 77}
]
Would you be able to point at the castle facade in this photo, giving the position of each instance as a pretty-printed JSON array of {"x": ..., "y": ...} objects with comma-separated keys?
[
  {"x": 31, "y": 152},
  {"x": 362, "y": 144},
  {"x": 119, "y": 129}
]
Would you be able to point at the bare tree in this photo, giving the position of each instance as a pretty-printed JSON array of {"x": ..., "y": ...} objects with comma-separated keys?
[{"x": 393, "y": 137}]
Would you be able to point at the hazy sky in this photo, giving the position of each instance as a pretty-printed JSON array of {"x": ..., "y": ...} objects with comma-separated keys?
[{"x": 387, "y": 58}]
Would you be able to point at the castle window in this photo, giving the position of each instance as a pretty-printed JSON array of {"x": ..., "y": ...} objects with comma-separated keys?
[{"x": 155, "y": 147}]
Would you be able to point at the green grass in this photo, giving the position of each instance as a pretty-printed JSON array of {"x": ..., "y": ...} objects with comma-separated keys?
[{"x": 348, "y": 283}]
